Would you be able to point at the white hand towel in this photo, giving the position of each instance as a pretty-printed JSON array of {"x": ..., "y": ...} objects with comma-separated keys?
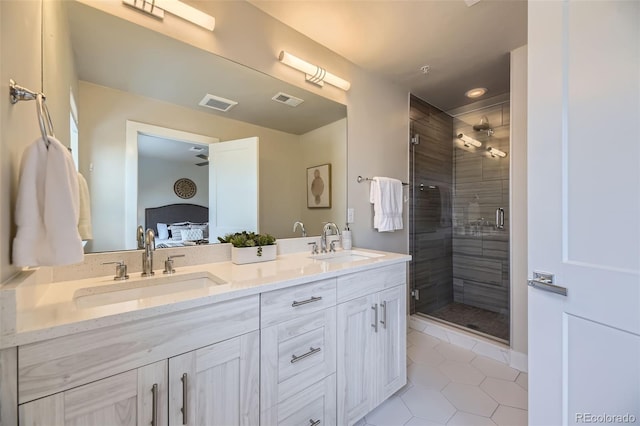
[
  {"x": 47, "y": 208},
  {"x": 84, "y": 224},
  {"x": 386, "y": 197}
]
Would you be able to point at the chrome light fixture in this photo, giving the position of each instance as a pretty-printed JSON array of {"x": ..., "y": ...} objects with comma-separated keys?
[
  {"x": 496, "y": 152},
  {"x": 157, "y": 8},
  {"x": 467, "y": 141},
  {"x": 314, "y": 73}
]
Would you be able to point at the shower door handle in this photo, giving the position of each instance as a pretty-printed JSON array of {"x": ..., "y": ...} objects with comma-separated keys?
[{"x": 499, "y": 218}]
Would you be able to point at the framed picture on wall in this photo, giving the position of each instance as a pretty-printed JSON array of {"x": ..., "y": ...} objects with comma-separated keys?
[{"x": 319, "y": 187}]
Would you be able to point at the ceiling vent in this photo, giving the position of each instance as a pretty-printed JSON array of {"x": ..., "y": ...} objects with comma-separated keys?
[
  {"x": 203, "y": 157},
  {"x": 283, "y": 98},
  {"x": 218, "y": 103}
]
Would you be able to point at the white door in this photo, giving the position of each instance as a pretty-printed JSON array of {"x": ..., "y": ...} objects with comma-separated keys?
[
  {"x": 584, "y": 215},
  {"x": 233, "y": 187}
]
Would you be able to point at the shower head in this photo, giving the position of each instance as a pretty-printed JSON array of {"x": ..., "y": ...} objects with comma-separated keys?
[{"x": 483, "y": 125}]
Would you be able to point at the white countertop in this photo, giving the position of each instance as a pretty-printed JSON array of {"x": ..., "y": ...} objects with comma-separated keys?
[{"x": 41, "y": 311}]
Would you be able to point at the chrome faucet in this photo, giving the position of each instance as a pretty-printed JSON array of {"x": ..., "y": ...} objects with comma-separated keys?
[
  {"x": 147, "y": 256},
  {"x": 323, "y": 239},
  {"x": 140, "y": 237},
  {"x": 298, "y": 223}
]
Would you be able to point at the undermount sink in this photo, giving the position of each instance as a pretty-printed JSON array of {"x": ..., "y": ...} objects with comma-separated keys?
[
  {"x": 345, "y": 256},
  {"x": 183, "y": 285}
]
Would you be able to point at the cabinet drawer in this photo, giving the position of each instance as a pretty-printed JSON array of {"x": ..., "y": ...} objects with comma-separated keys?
[
  {"x": 314, "y": 405},
  {"x": 296, "y": 354},
  {"x": 367, "y": 282},
  {"x": 283, "y": 305},
  {"x": 52, "y": 366}
]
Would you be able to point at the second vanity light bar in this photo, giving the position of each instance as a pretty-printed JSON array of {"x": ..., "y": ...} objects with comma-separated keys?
[{"x": 156, "y": 8}]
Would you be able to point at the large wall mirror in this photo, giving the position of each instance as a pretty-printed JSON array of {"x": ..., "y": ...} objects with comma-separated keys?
[{"x": 127, "y": 100}]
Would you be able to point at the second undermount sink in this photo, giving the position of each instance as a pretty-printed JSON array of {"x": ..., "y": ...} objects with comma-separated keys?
[
  {"x": 345, "y": 256},
  {"x": 183, "y": 285}
]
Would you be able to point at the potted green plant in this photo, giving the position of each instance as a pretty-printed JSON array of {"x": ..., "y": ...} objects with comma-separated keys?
[{"x": 249, "y": 247}]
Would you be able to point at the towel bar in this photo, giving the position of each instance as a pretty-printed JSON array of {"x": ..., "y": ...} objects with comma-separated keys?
[
  {"x": 361, "y": 179},
  {"x": 18, "y": 93}
]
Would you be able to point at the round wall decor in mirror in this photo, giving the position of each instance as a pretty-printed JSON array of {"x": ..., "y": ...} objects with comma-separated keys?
[{"x": 185, "y": 188}]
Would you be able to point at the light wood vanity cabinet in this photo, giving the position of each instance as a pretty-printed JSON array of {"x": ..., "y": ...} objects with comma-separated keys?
[
  {"x": 129, "y": 398},
  {"x": 371, "y": 359},
  {"x": 298, "y": 355},
  {"x": 86, "y": 378},
  {"x": 324, "y": 353},
  {"x": 216, "y": 385},
  {"x": 339, "y": 354}
]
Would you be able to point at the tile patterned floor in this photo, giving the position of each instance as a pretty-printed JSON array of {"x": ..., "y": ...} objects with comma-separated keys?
[
  {"x": 475, "y": 318},
  {"x": 453, "y": 386}
]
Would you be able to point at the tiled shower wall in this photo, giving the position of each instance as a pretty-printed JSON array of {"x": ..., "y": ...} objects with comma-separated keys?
[
  {"x": 430, "y": 210},
  {"x": 481, "y": 185}
]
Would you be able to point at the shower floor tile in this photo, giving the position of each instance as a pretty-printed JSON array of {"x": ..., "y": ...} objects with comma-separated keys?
[{"x": 478, "y": 319}]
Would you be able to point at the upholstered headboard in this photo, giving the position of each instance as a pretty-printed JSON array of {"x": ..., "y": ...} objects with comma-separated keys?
[{"x": 173, "y": 213}]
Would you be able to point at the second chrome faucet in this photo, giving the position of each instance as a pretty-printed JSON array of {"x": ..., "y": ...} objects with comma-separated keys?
[
  {"x": 323, "y": 239},
  {"x": 147, "y": 241}
]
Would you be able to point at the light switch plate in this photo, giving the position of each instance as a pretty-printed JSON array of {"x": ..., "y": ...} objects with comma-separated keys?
[{"x": 350, "y": 215}]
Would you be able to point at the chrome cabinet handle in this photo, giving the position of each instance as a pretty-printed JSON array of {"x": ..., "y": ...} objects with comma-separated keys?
[
  {"x": 375, "y": 321},
  {"x": 154, "y": 409},
  {"x": 295, "y": 303},
  {"x": 383, "y": 321},
  {"x": 314, "y": 422},
  {"x": 312, "y": 350},
  {"x": 184, "y": 408}
]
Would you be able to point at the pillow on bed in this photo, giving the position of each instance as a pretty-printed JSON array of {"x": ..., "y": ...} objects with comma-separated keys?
[
  {"x": 191, "y": 234},
  {"x": 163, "y": 231},
  {"x": 175, "y": 231},
  {"x": 203, "y": 226}
]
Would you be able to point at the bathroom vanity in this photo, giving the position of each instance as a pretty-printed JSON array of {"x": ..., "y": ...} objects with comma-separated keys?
[{"x": 309, "y": 340}]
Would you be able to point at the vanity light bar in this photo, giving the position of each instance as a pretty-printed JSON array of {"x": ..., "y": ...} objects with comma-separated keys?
[
  {"x": 467, "y": 141},
  {"x": 496, "y": 152},
  {"x": 156, "y": 8},
  {"x": 314, "y": 73}
]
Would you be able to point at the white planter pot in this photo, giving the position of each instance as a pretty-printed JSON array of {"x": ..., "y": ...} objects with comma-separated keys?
[{"x": 242, "y": 255}]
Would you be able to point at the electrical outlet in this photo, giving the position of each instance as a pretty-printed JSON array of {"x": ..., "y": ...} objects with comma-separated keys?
[{"x": 350, "y": 215}]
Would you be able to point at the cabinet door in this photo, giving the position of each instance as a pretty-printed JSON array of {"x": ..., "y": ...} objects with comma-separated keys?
[
  {"x": 392, "y": 345},
  {"x": 217, "y": 384},
  {"x": 315, "y": 405},
  {"x": 121, "y": 400},
  {"x": 355, "y": 358}
]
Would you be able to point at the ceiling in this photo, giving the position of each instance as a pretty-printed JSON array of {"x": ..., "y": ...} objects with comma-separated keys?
[
  {"x": 465, "y": 47},
  {"x": 170, "y": 150},
  {"x": 115, "y": 53}
]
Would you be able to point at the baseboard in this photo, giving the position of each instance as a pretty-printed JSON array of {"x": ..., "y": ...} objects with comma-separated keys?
[{"x": 478, "y": 344}]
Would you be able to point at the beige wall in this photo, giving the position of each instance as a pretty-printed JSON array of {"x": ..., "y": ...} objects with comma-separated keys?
[
  {"x": 59, "y": 73},
  {"x": 378, "y": 145},
  {"x": 326, "y": 145},
  {"x": 20, "y": 60},
  {"x": 103, "y": 116}
]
